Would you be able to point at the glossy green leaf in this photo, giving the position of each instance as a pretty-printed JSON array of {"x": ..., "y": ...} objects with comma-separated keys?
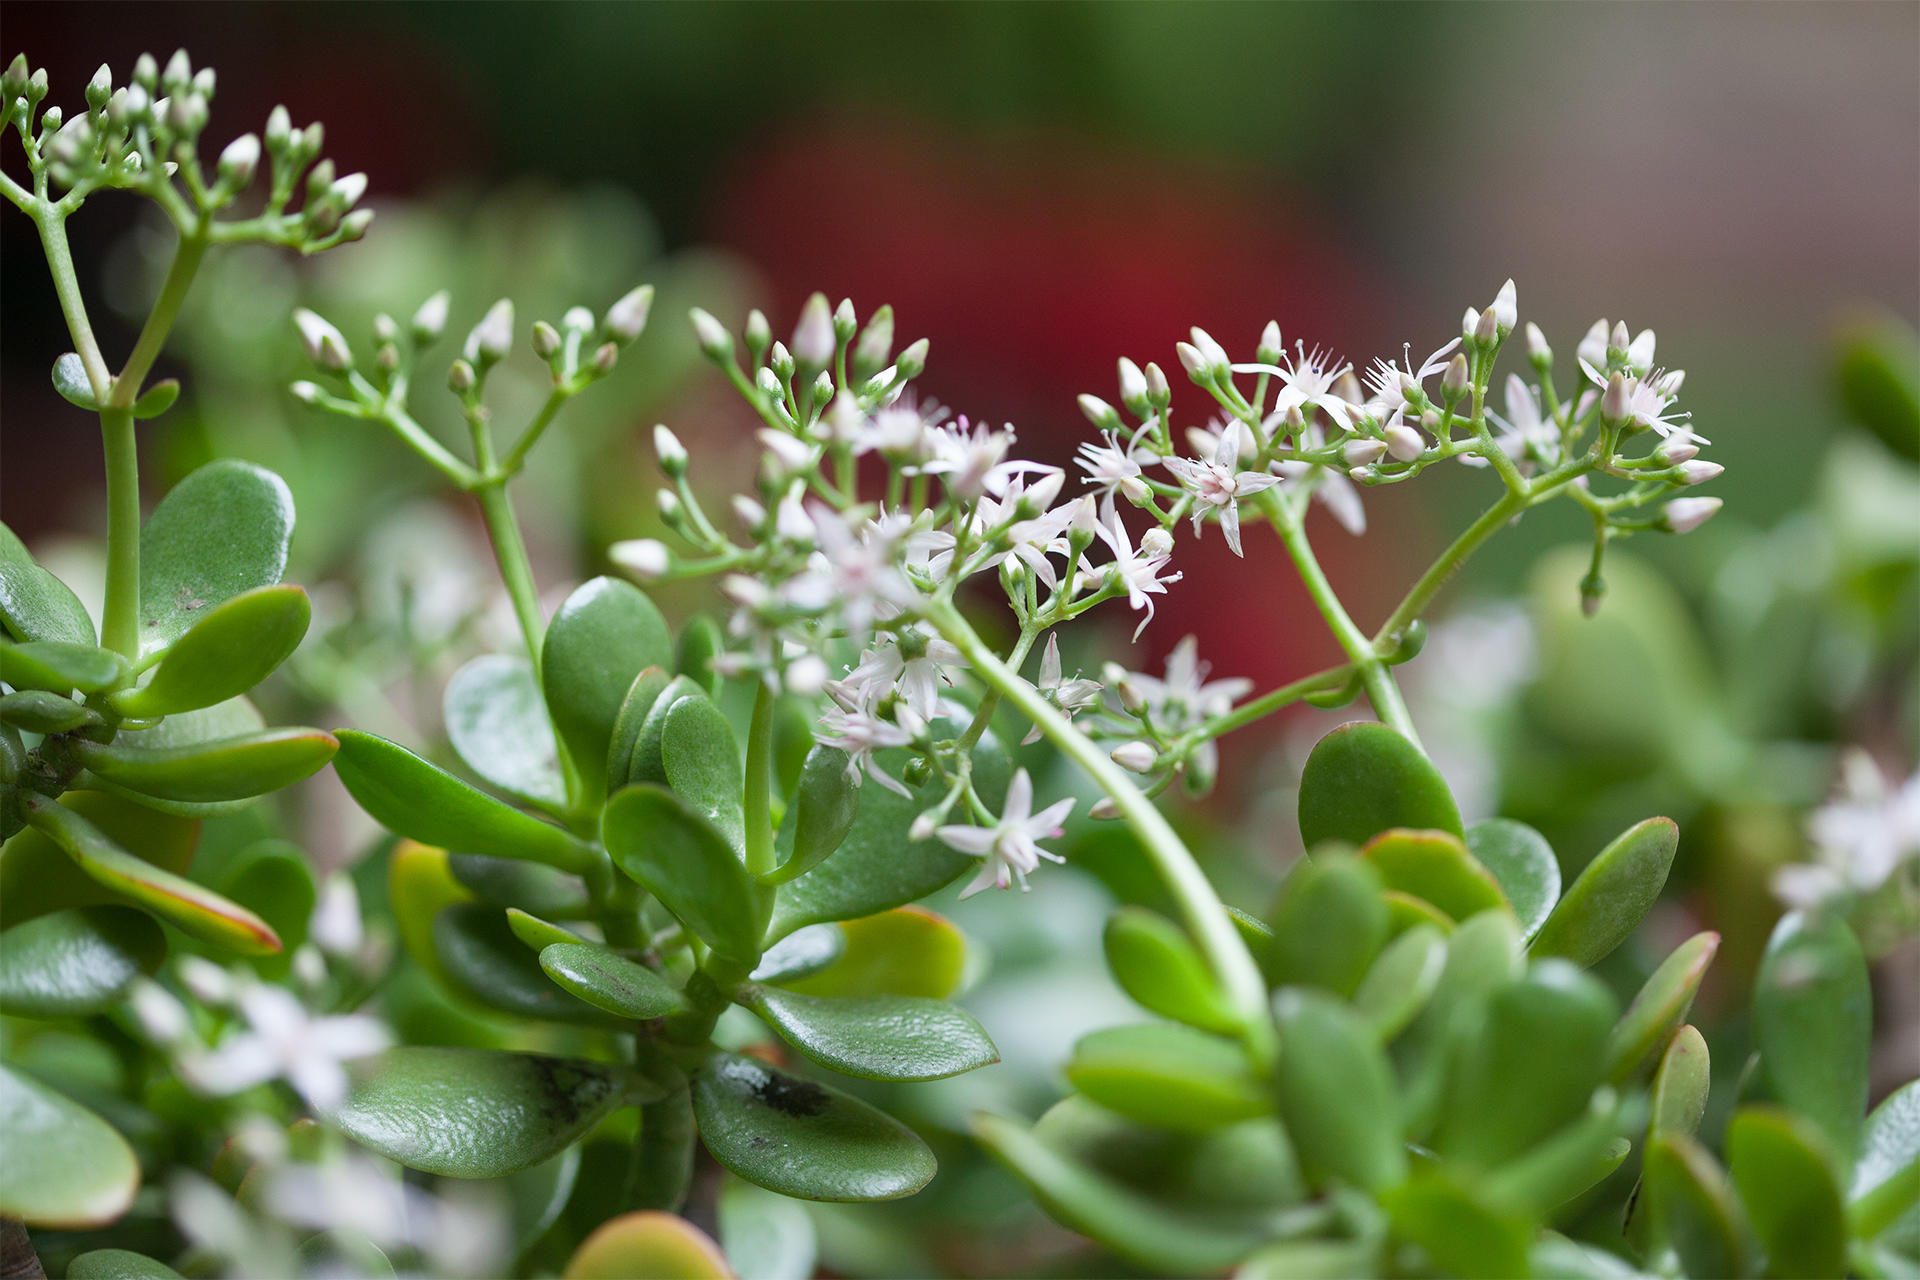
[
  {"x": 60, "y": 1164},
  {"x": 420, "y": 887},
  {"x": 909, "y": 951},
  {"x": 638, "y": 704},
  {"x": 1336, "y": 1093},
  {"x": 676, "y": 854},
  {"x": 801, "y": 1138},
  {"x": 1680, "y": 1085},
  {"x": 118, "y": 1264},
  {"x": 1131, "y": 1223},
  {"x": 60, "y": 667},
  {"x": 535, "y": 933},
  {"x": 483, "y": 959},
  {"x": 875, "y": 1037},
  {"x": 646, "y": 761},
  {"x": 1462, "y": 1233},
  {"x": 1693, "y": 1210},
  {"x": 75, "y": 962},
  {"x": 418, "y": 800},
  {"x": 822, "y": 813},
  {"x": 1564, "y": 1165},
  {"x": 650, "y": 1244},
  {"x": 1786, "y": 1181},
  {"x": 71, "y": 381},
  {"x": 1405, "y": 912},
  {"x": 271, "y": 878},
  {"x": 1886, "y": 1177},
  {"x": 700, "y": 642},
  {"x": 222, "y": 531},
  {"x": 497, "y": 721},
  {"x": 230, "y": 648},
  {"x": 604, "y": 634},
  {"x": 532, "y": 886},
  {"x": 1328, "y": 923},
  {"x": 37, "y": 876},
  {"x": 1222, "y": 1174},
  {"x": 877, "y": 867},
  {"x": 539, "y": 1195},
  {"x": 37, "y": 711},
  {"x": 702, "y": 763},
  {"x": 802, "y": 953},
  {"x": 765, "y": 1236},
  {"x": 793, "y": 720},
  {"x": 1879, "y": 379},
  {"x": 610, "y": 981},
  {"x": 1813, "y": 1024},
  {"x": 1606, "y": 903},
  {"x": 156, "y": 399},
  {"x": 1483, "y": 955},
  {"x": 1401, "y": 981},
  {"x": 1522, "y": 862},
  {"x": 1436, "y": 867},
  {"x": 197, "y": 911},
  {"x": 1555, "y": 1257},
  {"x": 1153, "y": 960},
  {"x": 1659, "y": 1008},
  {"x": 225, "y": 769},
  {"x": 1365, "y": 778},
  {"x": 1168, "y": 1075},
  {"x": 478, "y": 1113},
  {"x": 34, "y": 604}
]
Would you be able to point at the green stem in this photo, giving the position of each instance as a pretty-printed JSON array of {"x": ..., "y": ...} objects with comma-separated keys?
[
  {"x": 991, "y": 702},
  {"x": 759, "y": 796},
  {"x": 120, "y": 618},
  {"x": 515, "y": 569},
  {"x": 166, "y": 309},
  {"x": 1205, "y": 915},
  {"x": 66, "y": 285},
  {"x": 517, "y": 456},
  {"x": 1265, "y": 705}
]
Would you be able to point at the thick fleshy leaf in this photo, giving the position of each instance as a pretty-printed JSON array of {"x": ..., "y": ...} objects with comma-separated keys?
[
  {"x": 642, "y": 694},
  {"x": 1606, "y": 903},
  {"x": 1460, "y": 1231},
  {"x": 1784, "y": 1174},
  {"x": 877, "y": 867},
  {"x": 1660, "y": 1007},
  {"x": 531, "y": 886},
  {"x": 1813, "y": 1024},
  {"x": 604, "y": 634},
  {"x": 1886, "y": 1177},
  {"x": 37, "y": 711},
  {"x": 231, "y": 647},
  {"x": 646, "y": 761},
  {"x": 801, "y": 954},
  {"x": 34, "y": 604},
  {"x": 71, "y": 381},
  {"x": 1693, "y": 1209},
  {"x": 36, "y": 876},
  {"x": 1405, "y": 911},
  {"x": 1168, "y": 1075},
  {"x": 156, "y": 399},
  {"x": 1522, "y": 861},
  {"x": 1328, "y": 923},
  {"x": 1337, "y": 1259},
  {"x": 60, "y": 667},
  {"x": 420, "y": 887},
  {"x": 478, "y": 1113},
  {"x": 765, "y": 1236},
  {"x": 1241, "y": 1168},
  {"x": 1680, "y": 1085},
  {"x": 75, "y": 962},
  {"x": 486, "y": 961},
  {"x": 676, "y": 854},
  {"x": 875, "y": 1037},
  {"x": 1434, "y": 866},
  {"x": 1365, "y": 778},
  {"x": 60, "y": 1164},
  {"x": 1135, "y": 1225},
  {"x": 702, "y": 763},
  {"x": 118, "y": 1264},
  {"x": 1483, "y": 955},
  {"x": 208, "y": 772},
  {"x": 1153, "y": 960},
  {"x": 909, "y": 951},
  {"x": 658, "y": 1246},
  {"x": 195, "y": 910},
  {"x": 1564, "y": 1165},
  {"x": 271, "y": 878},
  {"x": 1401, "y": 981},
  {"x": 1336, "y": 1093},
  {"x": 536, "y": 933},
  {"x": 801, "y": 1138},
  {"x": 422, "y": 802},
  {"x": 497, "y": 722},
  {"x": 700, "y": 642},
  {"x": 823, "y": 811},
  {"x": 610, "y": 981},
  {"x": 1555, "y": 1257},
  {"x": 221, "y": 531}
]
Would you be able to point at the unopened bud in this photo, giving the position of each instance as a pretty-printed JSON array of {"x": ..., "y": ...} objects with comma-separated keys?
[
  {"x": 1100, "y": 413},
  {"x": 178, "y": 74},
  {"x": 1215, "y": 354},
  {"x": 844, "y": 321},
  {"x": 385, "y": 328},
  {"x": 306, "y": 392},
  {"x": 146, "y": 71},
  {"x": 323, "y": 344},
  {"x": 749, "y": 513},
  {"x": 279, "y": 129},
  {"x": 1360, "y": 451},
  {"x": 387, "y": 357},
  {"x": 13, "y": 81},
  {"x": 667, "y": 503},
  {"x": 1593, "y": 347},
  {"x": 491, "y": 339},
  {"x": 1487, "y": 334},
  {"x": 1683, "y": 515},
  {"x": 1675, "y": 450},
  {"x": 668, "y": 449},
  {"x": 203, "y": 81},
  {"x": 769, "y": 383},
  {"x": 757, "y": 332},
  {"x": 1640, "y": 351},
  {"x": 922, "y": 826},
  {"x": 793, "y": 453},
  {"x": 100, "y": 88},
  {"x": 713, "y": 337},
  {"x": 461, "y": 377},
  {"x": 430, "y": 321},
  {"x": 1505, "y": 308},
  {"x": 1618, "y": 341},
  {"x": 875, "y": 347},
  {"x": 1537, "y": 349},
  {"x": 1156, "y": 542},
  {"x": 1593, "y": 589},
  {"x": 1136, "y": 756},
  {"x": 823, "y": 387},
  {"x": 644, "y": 558},
  {"x": 1158, "y": 392},
  {"x": 546, "y": 339},
  {"x": 1104, "y": 809},
  {"x": 1613, "y": 402},
  {"x": 1453, "y": 383},
  {"x": 1270, "y": 349},
  {"x": 1293, "y": 423},
  {"x": 1194, "y": 361},
  {"x": 1404, "y": 443},
  {"x": 1699, "y": 471},
  {"x": 627, "y": 317},
  {"x": 913, "y": 361},
  {"x": 813, "y": 340},
  {"x": 1133, "y": 387},
  {"x": 1469, "y": 324},
  {"x": 806, "y": 675}
]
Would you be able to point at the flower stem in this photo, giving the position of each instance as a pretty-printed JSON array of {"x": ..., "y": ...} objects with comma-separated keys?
[
  {"x": 516, "y": 571},
  {"x": 120, "y": 615},
  {"x": 166, "y": 309}
]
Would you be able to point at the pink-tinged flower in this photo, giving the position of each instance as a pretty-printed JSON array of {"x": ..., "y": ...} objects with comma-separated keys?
[
  {"x": 1331, "y": 489},
  {"x": 1526, "y": 435},
  {"x": 860, "y": 732},
  {"x": 284, "y": 1041},
  {"x": 1137, "y": 569},
  {"x": 1649, "y": 399},
  {"x": 1112, "y": 468},
  {"x": 1009, "y": 849},
  {"x": 856, "y": 570},
  {"x": 911, "y": 664},
  {"x": 1219, "y": 484},
  {"x": 1389, "y": 382},
  {"x": 1183, "y": 698},
  {"x": 1069, "y": 696},
  {"x": 972, "y": 460},
  {"x": 1307, "y": 381}
]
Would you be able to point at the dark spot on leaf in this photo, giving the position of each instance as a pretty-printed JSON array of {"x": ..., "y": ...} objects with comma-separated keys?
[{"x": 790, "y": 1096}]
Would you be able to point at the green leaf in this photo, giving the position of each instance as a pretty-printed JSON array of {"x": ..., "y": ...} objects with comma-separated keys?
[
  {"x": 37, "y": 876},
  {"x": 229, "y": 649},
  {"x": 157, "y": 399},
  {"x": 75, "y": 962},
  {"x": 199, "y": 912},
  {"x": 801, "y": 1138},
  {"x": 1785, "y": 1179},
  {"x": 822, "y": 813},
  {"x": 118, "y": 1264},
  {"x": 1813, "y": 1024},
  {"x": 1401, "y": 981},
  {"x": 71, "y": 381},
  {"x": 1680, "y": 1085},
  {"x": 1337, "y": 1093},
  {"x": 1879, "y": 381},
  {"x": 1563, "y": 1166},
  {"x": 225, "y": 769},
  {"x": 1660, "y": 1007},
  {"x": 1155, "y": 963},
  {"x": 610, "y": 981},
  {"x": 37, "y": 711},
  {"x": 1459, "y": 1231},
  {"x": 497, "y": 722},
  {"x": 508, "y": 882},
  {"x": 270, "y": 878},
  {"x": 418, "y": 800},
  {"x": 1223, "y": 1174},
  {"x": 484, "y": 959},
  {"x": 1314, "y": 1260},
  {"x": 34, "y": 604},
  {"x": 1555, "y": 1257},
  {"x": 642, "y": 695},
  {"x": 1886, "y": 1177},
  {"x": 1132, "y": 1224},
  {"x": 478, "y": 1113},
  {"x": 222, "y": 531},
  {"x": 1405, "y": 912},
  {"x": 1435, "y": 867},
  {"x": 536, "y": 933},
  {"x": 676, "y": 855},
  {"x": 1483, "y": 955},
  {"x": 1365, "y": 778},
  {"x": 604, "y": 634},
  {"x": 909, "y": 951},
  {"x": 647, "y": 1243},
  {"x": 875, "y": 1037},
  {"x": 1167, "y": 1075},
  {"x": 1692, "y": 1207},
  {"x": 765, "y": 1236},
  {"x": 61, "y": 1165},
  {"x": 1328, "y": 923},
  {"x": 60, "y": 667},
  {"x": 646, "y": 762},
  {"x": 1522, "y": 861},
  {"x": 234, "y": 718},
  {"x": 700, "y": 642},
  {"x": 802, "y": 953},
  {"x": 702, "y": 763},
  {"x": 1605, "y": 904}
]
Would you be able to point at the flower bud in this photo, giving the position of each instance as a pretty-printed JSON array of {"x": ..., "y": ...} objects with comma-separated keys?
[
  {"x": 1104, "y": 809},
  {"x": 1360, "y": 451},
  {"x": 1136, "y": 756},
  {"x": 1133, "y": 387},
  {"x": 813, "y": 340},
  {"x": 546, "y": 339},
  {"x": 1347, "y": 387},
  {"x": 1214, "y": 354},
  {"x": 1120, "y": 680},
  {"x": 823, "y": 387},
  {"x": 347, "y": 192},
  {"x": 386, "y": 357},
  {"x": 1194, "y": 361},
  {"x": 279, "y": 129},
  {"x": 178, "y": 73},
  {"x": 1593, "y": 589},
  {"x": 1487, "y": 334},
  {"x": 793, "y": 454},
  {"x": 385, "y": 328},
  {"x": 100, "y": 88},
  {"x": 758, "y": 333},
  {"x": 1699, "y": 471},
  {"x": 1618, "y": 341},
  {"x": 605, "y": 357},
  {"x": 628, "y": 316},
  {"x": 806, "y": 675},
  {"x": 749, "y": 513},
  {"x": 1156, "y": 542},
  {"x": 780, "y": 360},
  {"x": 1453, "y": 383},
  {"x": 871, "y": 352},
  {"x": 1293, "y": 423},
  {"x": 644, "y": 558},
  {"x": 668, "y": 449},
  {"x": 913, "y": 361},
  {"x": 1683, "y": 515},
  {"x": 1505, "y": 309},
  {"x": 461, "y": 377},
  {"x": 769, "y": 384},
  {"x": 1404, "y": 443},
  {"x": 1361, "y": 475},
  {"x": 1675, "y": 450},
  {"x": 844, "y": 321},
  {"x": 430, "y": 321},
  {"x": 1537, "y": 349},
  {"x": 1158, "y": 392},
  {"x": 922, "y": 826},
  {"x": 715, "y": 341},
  {"x": 1270, "y": 349},
  {"x": 667, "y": 503},
  {"x": 306, "y": 392},
  {"x": 491, "y": 339},
  {"x": 1100, "y": 413},
  {"x": 202, "y": 83},
  {"x": 1043, "y": 492},
  {"x": 1469, "y": 325},
  {"x": 323, "y": 344},
  {"x": 13, "y": 81},
  {"x": 1640, "y": 352},
  {"x": 1614, "y": 402},
  {"x": 1593, "y": 348}
]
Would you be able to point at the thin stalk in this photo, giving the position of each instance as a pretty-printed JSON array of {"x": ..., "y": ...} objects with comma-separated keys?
[
  {"x": 516, "y": 571},
  {"x": 759, "y": 796},
  {"x": 66, "y": 285},
  {"x": 1266, "y": 704},
  {"x": 991, "y": 702},
  {"x": 120, "y": 618},
  {"x": 166, "y": 309},
  {"x": 517, "y": 456}
]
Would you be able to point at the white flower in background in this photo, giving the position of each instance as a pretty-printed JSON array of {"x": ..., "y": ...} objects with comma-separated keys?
[
  {"x": 854, "y": 571},
  {"x": 901, "y": 432},
  {"x": 1070, "y": 696},
  {"x": 1183, "y": 698},
  {"x": 911, "y": 664},
  {"x": 335, "y": 927},
  {"x": 1009, "y": 849},
  {"x": 284, "y": 1041},
  {"x": 972, "y": 460},
  {"x": 1331, "y": 489},
  {"x": 1860, "y": 838},
  {"x": 1389, "y": 382},
  {"x": 860, "y": 732},
  {"x": 1111, "y": 468},
  {"x": 1307, "y": 382},
  {"x": 1219, "y": 484},
  {"x": 1526, "y": 436},
  {"x": 1138, "y": 569}
]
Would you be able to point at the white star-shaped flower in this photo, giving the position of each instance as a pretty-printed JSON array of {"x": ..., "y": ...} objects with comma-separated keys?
[{"x": 1010, "y": 850}]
